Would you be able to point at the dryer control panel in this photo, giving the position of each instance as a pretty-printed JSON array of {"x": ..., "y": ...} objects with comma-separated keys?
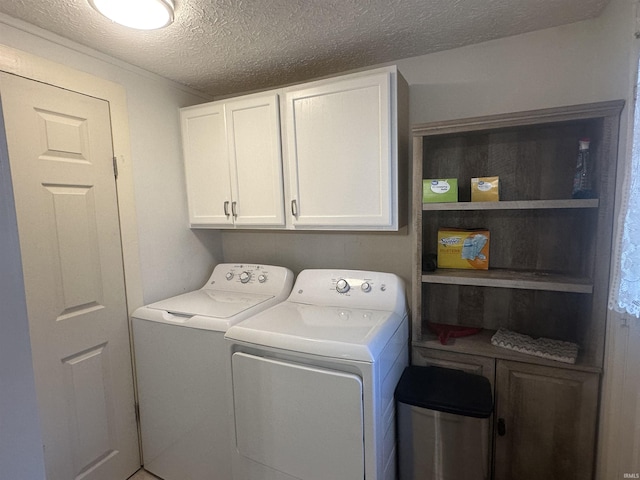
[{"x": 350, "y": 288}]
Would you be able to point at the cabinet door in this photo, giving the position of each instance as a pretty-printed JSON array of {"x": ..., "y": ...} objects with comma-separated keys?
[
  {"x": 206, "y": 162},
  {"x": 341, "y": 160},
  {"x": 253, "y": 126},
  {"x": 549, "y": 418}
]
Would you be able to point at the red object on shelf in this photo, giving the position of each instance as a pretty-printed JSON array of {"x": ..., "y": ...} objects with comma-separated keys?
[{"x": 445, "y": 332}]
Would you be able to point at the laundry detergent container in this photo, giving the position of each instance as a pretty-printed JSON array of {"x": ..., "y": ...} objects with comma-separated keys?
[{"x": 443, "y": 424}]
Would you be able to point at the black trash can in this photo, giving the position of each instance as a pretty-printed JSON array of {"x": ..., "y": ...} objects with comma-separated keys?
[{"x": 443, "y": 424}]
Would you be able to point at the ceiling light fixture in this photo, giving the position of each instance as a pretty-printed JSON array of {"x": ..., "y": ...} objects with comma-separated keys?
[{"x": 139, "y": 14}]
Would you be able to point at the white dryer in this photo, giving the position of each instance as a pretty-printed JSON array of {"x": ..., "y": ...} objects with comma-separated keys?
[
  {"x": 182, "y": 369},
  {"x": 314, "y": 377}
]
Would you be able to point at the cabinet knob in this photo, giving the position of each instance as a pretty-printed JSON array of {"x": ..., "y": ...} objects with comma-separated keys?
[
  {"x": 502, "y": 427},
  {"x": 233, "y": 209},
  {"x": 294, "y": 208},
  {"x": 226, "y": 208}
]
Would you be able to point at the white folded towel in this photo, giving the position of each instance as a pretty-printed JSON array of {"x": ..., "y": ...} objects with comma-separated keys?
[{"x": 566, "y": 352}]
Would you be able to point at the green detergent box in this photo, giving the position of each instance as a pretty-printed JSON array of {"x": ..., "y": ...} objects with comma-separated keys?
[{"x": 439, "y": 190}]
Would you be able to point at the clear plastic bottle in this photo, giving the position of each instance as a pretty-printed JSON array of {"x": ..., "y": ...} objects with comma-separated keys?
[{"x": 583, "y": 177}]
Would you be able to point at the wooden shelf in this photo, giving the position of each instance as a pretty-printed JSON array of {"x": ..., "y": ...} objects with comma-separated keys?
[
  {"x": 502, "y": 278},
  {"x": 480, "y": 344},
  {"x": 554, "y": 253},
  {"x": 514, "y": 205}
]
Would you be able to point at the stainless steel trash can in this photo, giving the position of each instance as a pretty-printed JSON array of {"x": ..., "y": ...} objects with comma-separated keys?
[{"x": 443, "y": 424}]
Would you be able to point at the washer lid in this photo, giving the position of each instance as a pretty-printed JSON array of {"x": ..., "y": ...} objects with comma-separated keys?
[
  {"x": 210, "y": 303},
  {"x": 336, "y": 332}
]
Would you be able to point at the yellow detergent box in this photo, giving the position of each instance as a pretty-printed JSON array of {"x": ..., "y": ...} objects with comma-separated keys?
[
  {"x": 459, "y": 248},
  {"x": 485, "y": 189},
  {"x": 438, "y": 190}
]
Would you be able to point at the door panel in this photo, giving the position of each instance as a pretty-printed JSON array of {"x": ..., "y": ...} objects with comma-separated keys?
[
  {"x": 90, "y": 409},
  {"x": 75, "y": 240},
  {"x": 60, "y": 152}
]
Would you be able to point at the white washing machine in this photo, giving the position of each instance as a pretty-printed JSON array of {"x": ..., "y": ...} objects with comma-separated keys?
[
  {"x": 182, "y": 369},
  {"x": 313, "y": 380}
]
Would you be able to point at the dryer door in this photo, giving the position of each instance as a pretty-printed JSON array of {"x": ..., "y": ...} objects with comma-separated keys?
[{"x": 302, "y": 421}]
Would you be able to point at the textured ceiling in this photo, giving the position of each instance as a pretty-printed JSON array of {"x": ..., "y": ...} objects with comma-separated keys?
[{"x": 230, "y": 46}]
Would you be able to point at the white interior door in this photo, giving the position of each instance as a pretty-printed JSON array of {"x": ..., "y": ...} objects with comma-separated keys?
[
  {"x": 60, "y": 154},
  {"x": 302, "y": 421}
]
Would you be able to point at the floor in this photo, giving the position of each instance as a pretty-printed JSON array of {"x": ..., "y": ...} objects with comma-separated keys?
[{"x": 142, "y": 475}]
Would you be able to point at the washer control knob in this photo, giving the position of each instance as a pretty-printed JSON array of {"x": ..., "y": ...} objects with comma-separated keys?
[
  {"x": 366, "y": 287},
  {"x": 229, "y": 275},
  {"x": 245, "y": 277},
  {"x": 342, "y": 286},
  {"x": 262, "y": 278}
]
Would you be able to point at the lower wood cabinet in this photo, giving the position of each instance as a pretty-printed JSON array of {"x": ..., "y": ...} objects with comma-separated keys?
[{"x": 544, "y": 421}]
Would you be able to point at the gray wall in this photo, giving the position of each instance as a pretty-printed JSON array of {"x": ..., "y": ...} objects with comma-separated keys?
[{"x": 386, "y": 252}]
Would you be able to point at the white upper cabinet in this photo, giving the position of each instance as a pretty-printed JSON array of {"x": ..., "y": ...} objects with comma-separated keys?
[
  {"x": 342, "y": 152},
  {"x": 253, "y": 133},
  {"x": 233, "y": 163},
  {"x": 206, "y": 161},
  {"x": 330, "y": 162}
]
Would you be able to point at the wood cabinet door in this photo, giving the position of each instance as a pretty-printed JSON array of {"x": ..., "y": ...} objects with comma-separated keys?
[
  {"x": 204, "y": 143},
  {"x": 340, "y": 153},
  {"x": 253, "y": 128},
  {"x": 545, "y": 422}
]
